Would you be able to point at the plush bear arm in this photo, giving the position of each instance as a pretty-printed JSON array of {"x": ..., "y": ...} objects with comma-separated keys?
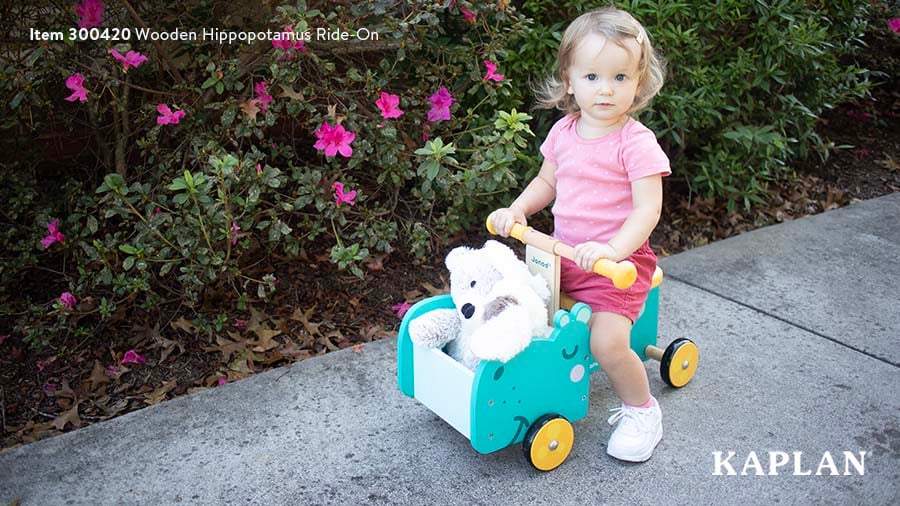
[
  {"x": 503, "y": 336},
  {"x": 435, "y": 328}
]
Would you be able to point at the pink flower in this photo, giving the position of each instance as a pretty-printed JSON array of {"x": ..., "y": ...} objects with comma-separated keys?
[
  {"x": 221, "y": 381},
  {"x": 132, "y": 357},
  {"x": 340, "y": 197},
  {"x": 68, "y": 300},
  {"x": 426, "y": 129},
  {"x": 54, "y": 234},
  {"x": 75, "y": 82},
  {"x": 168, "y": 117},
  {"x": 112, "y": 371},
  {"x": 262, "y": 95},
  {"x": 894, "y": 25},
  {"x": 239, "y": 324},
  {"x": 440, "y": 105},
  {"x": 468, "y": 15},
  {"x": 90, "y": 13},
  {"x": 389, "y": 105},
  {"x": 288, "y": 46},
  {"x": 131, "y": 58},
  {"x": 236, "y": 232},
  {"x": 157, "y": 210},
  {"x": 258, "y": 168},
  {"x": 334, "y": 139},
  {"x": 401, "y": 308},
  {"x": 491, "y": 71}
]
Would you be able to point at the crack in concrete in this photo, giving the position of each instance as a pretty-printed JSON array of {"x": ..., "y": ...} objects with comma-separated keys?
[{"x": 779, "y": 318}]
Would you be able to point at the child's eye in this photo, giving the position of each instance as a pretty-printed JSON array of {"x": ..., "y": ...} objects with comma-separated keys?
[
  {"x": 591, "y": 77},
  {"x": 620, "y": 77}
]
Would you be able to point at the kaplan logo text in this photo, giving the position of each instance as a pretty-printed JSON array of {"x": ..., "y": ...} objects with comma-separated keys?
[{"x": 795, "y": 463}]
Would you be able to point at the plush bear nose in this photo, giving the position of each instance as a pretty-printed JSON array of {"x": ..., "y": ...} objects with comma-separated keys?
[{"x": 468, "y": 310}]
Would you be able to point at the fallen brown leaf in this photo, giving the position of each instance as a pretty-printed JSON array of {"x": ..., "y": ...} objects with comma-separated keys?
[
  {"x": 312, "y": 329},
  {"x": 412, "y": 295},
  {"x": 159, "y": 394},
  {"x": 70, "y": 416},
  {"x": 250, "y": 109},
  {"x": 185, "y": 325},
  {"x": 226, "y": 347},
  {"x": 98, "y": 376},
  {"x": 287, "y": 91},
  {"x": 326, "y": 340},
  {"x": 435, "y": 291},
  {"x": 265, "y": 342}
]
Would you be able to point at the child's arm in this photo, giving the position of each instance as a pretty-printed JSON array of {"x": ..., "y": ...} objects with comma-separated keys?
[
  {"x": 646, "y": 199},
  {"x": 539, "y": 192}
]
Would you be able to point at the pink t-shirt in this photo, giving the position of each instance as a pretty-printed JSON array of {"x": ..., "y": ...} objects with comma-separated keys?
[{"x": 593, "y": 177}]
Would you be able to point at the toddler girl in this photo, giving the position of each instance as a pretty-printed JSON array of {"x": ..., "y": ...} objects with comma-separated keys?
[{"x": 604, "y": 169}]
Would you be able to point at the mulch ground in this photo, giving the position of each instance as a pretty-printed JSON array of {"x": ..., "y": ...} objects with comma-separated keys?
[{"x": 318, "y": 309}]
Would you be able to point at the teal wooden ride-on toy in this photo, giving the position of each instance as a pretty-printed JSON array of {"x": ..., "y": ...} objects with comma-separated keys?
[{"x": 535, "y": 397}]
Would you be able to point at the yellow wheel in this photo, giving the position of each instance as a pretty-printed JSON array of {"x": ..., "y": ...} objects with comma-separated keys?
[
  {"x": 548, "y": 442},
  {"x": 679, "y": 362}
]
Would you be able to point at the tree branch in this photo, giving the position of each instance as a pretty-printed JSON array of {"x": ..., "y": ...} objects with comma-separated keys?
[{"x": 167, "y": 62}]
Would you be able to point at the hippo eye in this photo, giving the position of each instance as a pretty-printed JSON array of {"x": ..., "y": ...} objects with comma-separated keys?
[{"x": 472, "y": 284}]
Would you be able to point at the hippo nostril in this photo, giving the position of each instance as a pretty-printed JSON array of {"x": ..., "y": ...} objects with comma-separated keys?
[{"x": 468, "y": 310}]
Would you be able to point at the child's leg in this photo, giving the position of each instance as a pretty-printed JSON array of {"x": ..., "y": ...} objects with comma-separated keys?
[
  {"x": 639, "y": 427},
  {"x": 611, "y": 348}
]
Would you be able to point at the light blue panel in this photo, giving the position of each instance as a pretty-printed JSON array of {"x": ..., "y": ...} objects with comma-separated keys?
[
  {"x": 550, "y": 376},
  {"x": 405, "y": 379},
  {"x": 444, "y": 386}
]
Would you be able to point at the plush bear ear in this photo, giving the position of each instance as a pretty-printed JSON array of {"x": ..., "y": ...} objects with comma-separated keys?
[
  {"x": 503, "y": 258},
  {"x": 455, "y": 258}
]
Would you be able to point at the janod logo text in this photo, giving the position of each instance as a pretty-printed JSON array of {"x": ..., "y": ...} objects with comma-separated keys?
[{"x": 773, "y": 463}]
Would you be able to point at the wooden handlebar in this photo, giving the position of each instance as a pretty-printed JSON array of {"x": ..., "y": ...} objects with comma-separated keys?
[{"x": 623, "y": 274}]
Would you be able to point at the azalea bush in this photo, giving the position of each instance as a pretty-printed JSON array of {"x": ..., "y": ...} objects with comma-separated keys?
[
  {"x": 151, "y": 174},
  {"x": 207, "y": 159}
]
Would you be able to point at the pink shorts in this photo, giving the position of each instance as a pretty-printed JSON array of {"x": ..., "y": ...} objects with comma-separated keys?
[{"x": 598, "y": 291}]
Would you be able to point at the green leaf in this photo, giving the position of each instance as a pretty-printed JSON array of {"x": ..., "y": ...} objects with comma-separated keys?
[
  {"x": 92, "y": 225},
  {"x": 220, "y": 87},
  {"x": 17, "y": 99},
  {"x": 178, "y": 184},
  {"x": 129, "y": 262},
  {"x": 126, "y": 248},
  {"x": 209, "y": 82}
]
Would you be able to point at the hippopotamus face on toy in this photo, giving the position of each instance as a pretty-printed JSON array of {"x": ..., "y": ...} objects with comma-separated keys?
[{"x": 552, "y": 375}]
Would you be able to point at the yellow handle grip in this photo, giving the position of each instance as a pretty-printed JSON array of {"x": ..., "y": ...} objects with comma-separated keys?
[{"x": 623, "y": 274}]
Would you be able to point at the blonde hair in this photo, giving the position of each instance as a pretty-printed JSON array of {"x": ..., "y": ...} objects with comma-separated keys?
[{"x": 615, "y": 25}]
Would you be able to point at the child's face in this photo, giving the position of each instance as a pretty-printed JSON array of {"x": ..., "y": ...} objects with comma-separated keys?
[{"x": 603, "y": 77}]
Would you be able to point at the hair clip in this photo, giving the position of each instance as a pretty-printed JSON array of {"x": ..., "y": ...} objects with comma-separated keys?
[{"x": 640, "y": 36}]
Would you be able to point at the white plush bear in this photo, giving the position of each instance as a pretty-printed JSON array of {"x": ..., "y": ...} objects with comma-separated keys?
[{"x": 500, "y": 306}]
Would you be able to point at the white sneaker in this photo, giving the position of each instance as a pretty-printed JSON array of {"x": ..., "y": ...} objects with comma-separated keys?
[{"x": 638, "y": 433}]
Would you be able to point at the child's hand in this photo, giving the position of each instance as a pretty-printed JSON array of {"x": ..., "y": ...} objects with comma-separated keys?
[
  {"x": 587, "y": 254},
  {"x": 504, "y": 218}
]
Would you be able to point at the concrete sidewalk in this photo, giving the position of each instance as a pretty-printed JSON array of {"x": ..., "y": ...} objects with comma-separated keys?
[{"x": 798, "y": 327}]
